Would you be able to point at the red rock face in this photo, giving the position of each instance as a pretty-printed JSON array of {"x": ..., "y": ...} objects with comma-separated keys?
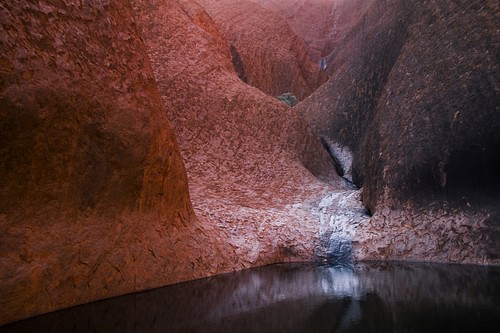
[
  {"x": 93, "y": 191},
  {"x": 94, "y": 199},
  {"x": 322, "y": 24},
  {"x": 252, "y": 162},
  {"x": 89, "y": 163},
  {"x": 266, "y": 52},
  {"x": 224, "y": 126}
]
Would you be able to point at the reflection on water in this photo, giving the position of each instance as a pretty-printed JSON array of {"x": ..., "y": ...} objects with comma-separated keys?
[{"x": 371, "y": 297}]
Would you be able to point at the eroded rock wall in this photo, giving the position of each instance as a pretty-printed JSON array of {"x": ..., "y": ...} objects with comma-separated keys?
[
  {"x": 89, "y": 163},
  {"x": 253, "y": 164},
  {"x": 415, "y": 97},
  {"x": 94, "y": 193},
  {"x": 322, "y": 24},
  {"x": 266, "y": 52},
  {"x": 94, "y": 199}
]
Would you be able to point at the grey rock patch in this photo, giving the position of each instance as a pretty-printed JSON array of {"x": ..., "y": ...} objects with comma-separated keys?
[
  {"x": 339, "y": 215},
  {"x": 342, "y": 157}
]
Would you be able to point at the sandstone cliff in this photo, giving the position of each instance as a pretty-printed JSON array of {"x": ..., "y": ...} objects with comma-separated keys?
[
  {"x": 415, "y": 97},
  {"x": 253, "y": 164},
  {"x": 266, "y": 52},
  {"x": 89, "y": 163},
  {"x": 94, "y": 197},
  {"x": 322, "y": 24}
]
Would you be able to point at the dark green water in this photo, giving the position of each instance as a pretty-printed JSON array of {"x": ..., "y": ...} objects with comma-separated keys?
[{"x": 370, "y": 297}]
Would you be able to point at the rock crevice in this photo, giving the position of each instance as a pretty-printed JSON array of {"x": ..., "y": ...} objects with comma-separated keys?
[{"x": 414, "y": 96}]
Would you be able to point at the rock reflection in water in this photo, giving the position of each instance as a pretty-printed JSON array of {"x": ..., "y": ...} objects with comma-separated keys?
[{"x": 372, "y": 297}]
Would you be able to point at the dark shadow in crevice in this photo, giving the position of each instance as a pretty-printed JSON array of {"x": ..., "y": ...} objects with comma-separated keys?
[{"x": 238, "y": 64}]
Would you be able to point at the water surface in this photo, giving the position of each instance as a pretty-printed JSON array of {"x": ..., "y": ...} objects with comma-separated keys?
[{"x": 369, "y": 297}]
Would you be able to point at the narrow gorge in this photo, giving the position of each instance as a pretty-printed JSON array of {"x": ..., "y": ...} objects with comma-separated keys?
[{"x": 143, "y": 143}]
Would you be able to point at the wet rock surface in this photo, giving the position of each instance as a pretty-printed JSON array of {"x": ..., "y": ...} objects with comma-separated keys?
[{"x": 340, "y": 214}]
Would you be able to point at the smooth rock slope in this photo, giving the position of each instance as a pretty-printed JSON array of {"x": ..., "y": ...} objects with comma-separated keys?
[
  {"x": 322, "y": 24},
  {"x": 89, "y": 163},
  {"x": 414, "y": 96}
]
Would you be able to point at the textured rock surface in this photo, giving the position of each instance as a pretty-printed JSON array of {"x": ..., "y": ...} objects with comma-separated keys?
[
  {"x": 415, "y": 97},
  {"x": 90, "y": 170},
  {"x": 322, "y": 24},
  {"x": 252, "y": 162},
  {"x": 93, "y": 191},
  {"x": 94, "y": 199},
  {"x": 266, "y": 52}
]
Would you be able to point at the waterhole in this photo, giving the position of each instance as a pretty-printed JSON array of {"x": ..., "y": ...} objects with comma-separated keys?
[{"x": 366, "y": 297}]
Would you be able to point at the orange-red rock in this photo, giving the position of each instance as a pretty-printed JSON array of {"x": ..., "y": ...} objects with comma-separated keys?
[
  {"x": 89, "y": 164},
  {"x": 94, "y": 196},
  {"x": 252, "y": 162},
  {"x": 266, "y": 52},
  {"x": 322, "y": 24},
  {"x": 94, "y": 199}
]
